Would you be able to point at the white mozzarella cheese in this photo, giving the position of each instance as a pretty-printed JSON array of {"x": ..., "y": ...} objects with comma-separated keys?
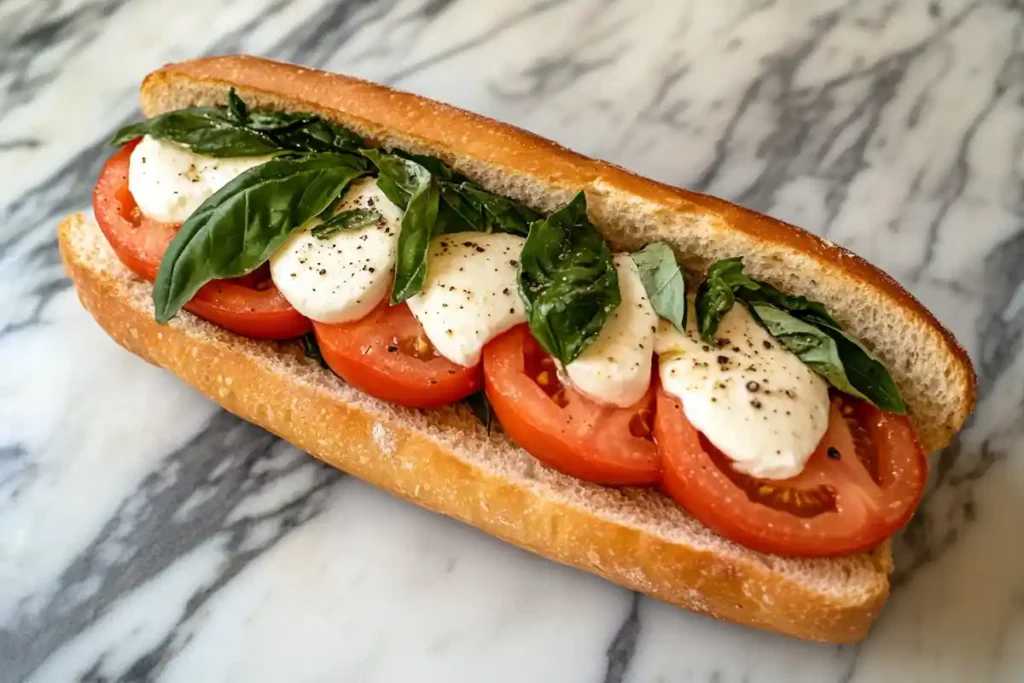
[
  {"x": 470, "y": 295},
  {"x": 754, "y": 400},
  {"x": 169, "y": 182},
  {"x": 344, "y": 276},
  {"x": 616, "y": 368}
]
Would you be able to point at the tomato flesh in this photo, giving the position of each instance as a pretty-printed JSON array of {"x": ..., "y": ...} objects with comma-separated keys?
[
  {"x": 560, "y": 426},
  {"x": 250, "y": 305},
  {"x": 861, "y": 484},
  {"x": 386, "y": 354}
]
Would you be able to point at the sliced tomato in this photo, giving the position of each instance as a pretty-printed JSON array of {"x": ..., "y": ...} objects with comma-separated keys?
[
  {"x": 250, "y": 305},
  {"x": 862, "y": 483},
  {"x": 560, "y": 426},
  {"x": 387, "y": 355}
]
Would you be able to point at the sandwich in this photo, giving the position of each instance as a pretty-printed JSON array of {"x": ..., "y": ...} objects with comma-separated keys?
[{"x": 680, "y": 395}]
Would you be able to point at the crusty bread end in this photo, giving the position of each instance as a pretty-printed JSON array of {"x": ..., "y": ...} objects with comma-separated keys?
[{"x": 445, "y": 461}]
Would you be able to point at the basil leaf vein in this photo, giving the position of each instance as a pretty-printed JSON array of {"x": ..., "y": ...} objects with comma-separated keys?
[
  {"x": 567, "y": 281},
  {"x": 664, "y": 282},
  {"x": 238, "y": 227}
]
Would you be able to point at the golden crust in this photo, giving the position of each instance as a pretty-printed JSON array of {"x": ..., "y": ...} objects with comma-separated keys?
[{"x": 267, "y": 385}]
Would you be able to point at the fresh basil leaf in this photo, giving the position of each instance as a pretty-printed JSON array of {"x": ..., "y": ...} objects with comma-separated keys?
[
  {"x": 814, "y": 347},
  {"x": 411, "y": 186},
  {"x": 567, "y": 280},
  {"x": 353, "y": 219},
  {"x": 458, "y": 214},
  {"x": 804, "y": 327},
  {"x": 204, "y": 130},
  {"x": 235, "y": 230},
  {"x": 305, "y": 132},
  {"x": 865, "y": 371},
  {"x": 664, "y": 282},
  {"x": 398, "y": 178},
  {"x": 234, "y": 130},
  {"x": 311, "y": 348},
  {"x": 500, "y": 214},
  {"x": 716, "y": 295},
  {"x": 236, "y": 107},
  {"x": 439, "y": 169},
  {"x": 481, "y": 407},
  {"x": 725, "y": 282}
]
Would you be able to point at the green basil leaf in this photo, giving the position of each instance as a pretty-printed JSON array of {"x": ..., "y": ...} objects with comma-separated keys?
[
  {"x": 204, "y": 130},
  {"x": 725, "y": 282},
  {"x": 235, "y": 131},
  {"x": 567, "y": 281},
  {"x": 236, "y": 107},
  {"x": 439, "y": 169},
  {"x": 500, "y": 213},
  {"x": 311, "y": 348},
  {"x": 481, "y": 407},
  {"x": 353, "y": 219},
  {"x": 235, "y": 230},
  {"x": 459, "y": 214},
  {"x": 418, "y": 222},
  {"x": 305, "y": 132},
  {"x": 865, "y": 371},
  {"x": 398, "y": 178},
  {"x": 804, "y": 327},
  {"x": 716, "y": 295},
  {"x": 815, "y": 348},
  {"x": 664, "y": 282}
]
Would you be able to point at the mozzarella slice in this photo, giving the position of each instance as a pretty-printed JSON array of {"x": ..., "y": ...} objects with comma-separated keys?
[
  {"x": 754, "y": 400},
  {"x": 169, "y": 182},
  {"x": 470, "y": 294},
  {"x": 343, "y": 277},
  {"x": 616, "y": 368}
]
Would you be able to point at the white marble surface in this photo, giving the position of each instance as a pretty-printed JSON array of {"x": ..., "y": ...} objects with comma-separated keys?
[{"x": 147, "y": 535}]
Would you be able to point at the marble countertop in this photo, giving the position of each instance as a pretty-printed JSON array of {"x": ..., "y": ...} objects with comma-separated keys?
[{"x": 147, "y": 535}]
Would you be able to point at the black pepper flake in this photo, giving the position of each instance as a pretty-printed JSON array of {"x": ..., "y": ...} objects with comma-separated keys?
[
  {"x": 833, "y": 453},
  {"x": 505, "y": 291},
  {"x": 767, "y": 344},
  {"x": 705, "y": 348},
  {"x": 722, "y": 360},
  {"x": 755, "y": 404},
  {"x": 513, "y": 263},
  {"x": 392, "y": 349},
  {"x": 323, "y": 271},
  {"x": 753, "y": 386}
]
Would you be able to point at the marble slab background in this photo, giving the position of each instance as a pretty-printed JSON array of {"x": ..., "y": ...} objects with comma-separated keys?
[{"x": 147, "y": 535}]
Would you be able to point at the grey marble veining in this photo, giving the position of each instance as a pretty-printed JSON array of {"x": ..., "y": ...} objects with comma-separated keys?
[{"x": 146, "y": 535}]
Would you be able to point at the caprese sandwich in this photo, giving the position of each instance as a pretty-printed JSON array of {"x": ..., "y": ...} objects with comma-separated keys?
[{"x": 693, "y": 400}]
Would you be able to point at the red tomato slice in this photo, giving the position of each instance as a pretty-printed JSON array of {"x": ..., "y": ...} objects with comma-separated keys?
[
  {"x": 387, "y": 355},
  {"x": 862, "y": 483},
  {"x": 561, "y": 427},
  {"x": 250, "y": 305}
]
